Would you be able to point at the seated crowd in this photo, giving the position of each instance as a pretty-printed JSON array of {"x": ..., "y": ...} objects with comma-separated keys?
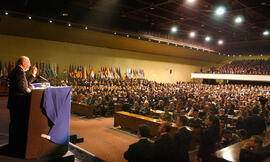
[
  {"x": 249, "y": 67},
  {"x": 238, "y": 111}
]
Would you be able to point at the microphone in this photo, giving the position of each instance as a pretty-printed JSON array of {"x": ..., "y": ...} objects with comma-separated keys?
[{"x": 43, "y": 78}]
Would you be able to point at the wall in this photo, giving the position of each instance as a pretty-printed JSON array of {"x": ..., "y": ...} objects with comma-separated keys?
[{"x": 156, "y": 67}]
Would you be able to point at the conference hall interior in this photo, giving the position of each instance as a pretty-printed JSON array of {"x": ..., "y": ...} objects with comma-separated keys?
[{"x": 138, "y": 80}]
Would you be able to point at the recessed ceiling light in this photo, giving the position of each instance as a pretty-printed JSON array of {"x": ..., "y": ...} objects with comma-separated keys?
[
  {"x": 220, "y": 11},
  {"x": 207, "y": 38},
  {"x": 220, "y": 42},
  {"x": 238, "y": 20},
  {"x": 191, "y": 1},
  {"x": 266, "y": 32},
  {"x": 192, "y": 34},
  {"x": 174, "y": 29}
]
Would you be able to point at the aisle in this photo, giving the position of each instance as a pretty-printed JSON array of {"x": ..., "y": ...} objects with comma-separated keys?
[{"x": 100, "y": 139}]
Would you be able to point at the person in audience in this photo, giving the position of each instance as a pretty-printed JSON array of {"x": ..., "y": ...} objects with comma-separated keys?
[
  {"x": 251, "y": 150},
  {"x": 182, "y": 140},
  {"x": 166, "y": 116},
  {"x": 135, "y": 108},
  {"x": 163, "y": 146},
  {"x": 254, "y": 125},
  {"x": 141, "y": 150},
  {"x": 145, "y": 109},
  {"x": 209, "y": 138}
]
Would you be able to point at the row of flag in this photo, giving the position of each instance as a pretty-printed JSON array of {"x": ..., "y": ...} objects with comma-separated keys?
[
  {"x": 111, "y": 73},
  {"x": 43, "y": 69},
  {"x": 75, "y": 71},
  {"x": 135, "y": 74},
  {"x": 81, "y": 71}
]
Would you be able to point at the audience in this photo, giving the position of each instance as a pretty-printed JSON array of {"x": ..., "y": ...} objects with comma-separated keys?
[{"x": 250, "y": 67}]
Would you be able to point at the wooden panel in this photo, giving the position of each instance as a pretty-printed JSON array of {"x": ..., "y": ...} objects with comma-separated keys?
[{"x": 82, "y": 109}]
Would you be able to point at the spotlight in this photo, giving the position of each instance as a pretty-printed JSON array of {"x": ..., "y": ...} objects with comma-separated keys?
[
  {"x": 192, "y": 34},
  {"x": 6, "y": 13},
  {"x": 266, "y": 32},
  {"x": 207, "y": 38},
  {"x": 220, "y": 42},
  {"x": 220, "y": 11},
  {"x": 29, "y": 17},
  {"x": 174, "y": 29},
  {"x": 50, "y": 21},
  {"x": 238, "y": 20}
]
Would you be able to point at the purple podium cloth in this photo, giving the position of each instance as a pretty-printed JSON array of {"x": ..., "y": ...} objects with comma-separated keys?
[{"x": 56, "y": 103}]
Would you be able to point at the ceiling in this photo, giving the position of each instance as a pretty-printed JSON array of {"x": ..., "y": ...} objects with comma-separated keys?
[{"x": 156, "y": 17}]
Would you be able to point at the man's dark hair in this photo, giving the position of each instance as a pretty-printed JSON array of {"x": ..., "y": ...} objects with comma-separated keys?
[
  {"x": 144, "y": 131},
  {"x": 183, "y": 119}
]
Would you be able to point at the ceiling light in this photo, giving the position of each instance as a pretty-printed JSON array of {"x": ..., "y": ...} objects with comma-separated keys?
[
  {"x": 192, "y": 34},
  {"x": 6, "y": 13},
  {"x": 238, "y": 20},
  {"x": 207, "y": 38},
  {"x": 69, "y": 24},
  {"x": 29, "y": 17},
  {"x": 86, "y": 28},
  {"x": 191, "y": 1},
  {"x": 266, "y": 32},
  {"x": 174, "y": 29},
  {"x": 220, "y": 11},
  {"x": 220, "y": 42},
  {"x": 50, "y": 21}
]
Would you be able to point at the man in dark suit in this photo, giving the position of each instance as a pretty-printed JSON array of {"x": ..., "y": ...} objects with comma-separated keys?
[
  {"x": 18, "y": 104},
  {"x": 141, "y": 151},
  {"x": 254, "y": 124},
  {"x": 163, "y": 146},
  {"x": 182, "y": 140}
]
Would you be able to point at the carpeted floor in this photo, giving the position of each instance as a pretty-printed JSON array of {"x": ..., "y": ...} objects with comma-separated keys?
[{"x": 100, "y": 139}]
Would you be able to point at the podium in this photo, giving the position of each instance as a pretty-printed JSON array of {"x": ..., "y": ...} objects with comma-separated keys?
[{"x": 37, "y": 146}]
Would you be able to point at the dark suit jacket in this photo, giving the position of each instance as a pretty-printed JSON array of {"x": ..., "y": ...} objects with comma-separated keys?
[
  {"x": 252, "y": 156},
  {"x": 18, "y": 86},
  {"x": 141, "y": 151},
  {"x": 254, "y": 125},
  {"x": 182, "y": 140},
  {"x": 163, "y": 149}
]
